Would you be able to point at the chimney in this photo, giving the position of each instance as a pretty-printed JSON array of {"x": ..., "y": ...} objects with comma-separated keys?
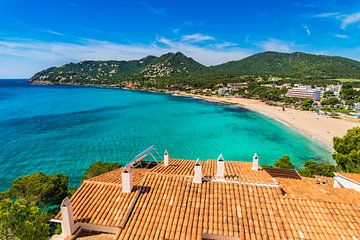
[
  {"x": 197, "y": 172},
  {"x": 67, "y": 222},
  {"x": 220, "y": 166},
  {"x": 126, "y": 177},
  {"x": 255, "y": 164},
  {"x": 166, "y": 158}
]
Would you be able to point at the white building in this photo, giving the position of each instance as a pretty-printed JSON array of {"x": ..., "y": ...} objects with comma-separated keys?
[
  {"x": 304, "y": 91},
  {"x": 357, "y": 107},
  {"x": 347, "y": 180}
]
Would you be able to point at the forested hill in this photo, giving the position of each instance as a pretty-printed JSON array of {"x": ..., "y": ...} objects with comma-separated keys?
[
  {"x": 301, "y": 65},
  {"x": 177, "y": 67}
]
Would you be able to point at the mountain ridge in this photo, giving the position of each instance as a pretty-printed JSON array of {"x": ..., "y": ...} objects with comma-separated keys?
[{"x": 179, "y": 66}]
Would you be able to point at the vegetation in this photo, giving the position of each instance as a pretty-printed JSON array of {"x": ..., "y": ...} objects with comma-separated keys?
[
  {"x": 311, "y": 169},
  {"x": 347, "y": 151},
  {"x": 307, "y": 103},
  {"x": 284, "y": 163},
  {"x": 298, "y": 65},
  {"x": 98, "y": 168},
  {"x": 332, "y": 101},
  {"x": 39, "y": 188},
  {"x": 22, "y": 220},
  {"x": 175, "y": 69}
]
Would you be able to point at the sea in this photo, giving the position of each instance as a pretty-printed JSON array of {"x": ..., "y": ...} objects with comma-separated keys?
[{"x": 59, "y": 129}]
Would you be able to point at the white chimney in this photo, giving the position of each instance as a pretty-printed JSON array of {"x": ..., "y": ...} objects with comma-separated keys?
[
  {"x": 197, "y": 172},
  {"x": 220, "y": 166},
  {"x": 255, "y": 164},
  {"x": 126, "y": 179},
  {"x": 67, "y": 222},
  {"x": 166, "y": 158}
]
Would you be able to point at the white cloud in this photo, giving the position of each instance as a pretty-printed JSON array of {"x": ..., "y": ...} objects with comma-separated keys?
[
  {"x": 29, "y": 56},
  {"x": 350, "y": 19},
  {"x": 277, "y": 45},
  {"x": 307, "y": 29},
  {"x": 327, "y": 14},
  {"x": 341, "y": 36},
  {"x": 224, "y": 45},
  {"x": 52, "y": 32},
  {"x": 154, "y": 10},
  {"x": 197, "y": 37}
]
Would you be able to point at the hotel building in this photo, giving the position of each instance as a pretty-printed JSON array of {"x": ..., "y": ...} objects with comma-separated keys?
[{"x": 304, "y": 92}]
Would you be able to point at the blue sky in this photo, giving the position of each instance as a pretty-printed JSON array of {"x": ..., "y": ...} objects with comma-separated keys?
[{"x": 38, "y": 34}]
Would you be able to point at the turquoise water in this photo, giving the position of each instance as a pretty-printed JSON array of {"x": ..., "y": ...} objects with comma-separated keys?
[{"x": 65, "y": 129}]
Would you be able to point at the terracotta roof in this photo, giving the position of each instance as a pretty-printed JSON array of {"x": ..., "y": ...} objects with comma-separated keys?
[
  {"x": 353, "y": 176},
  {"x": 115, "y": 176},
  {"x": 245, "y": 204},
  {"x": 234, "y": 170},
  {"x": 101, "y": 203},
  {"x": 308, "y": 188},
  {"x": 176, "y": 208}
]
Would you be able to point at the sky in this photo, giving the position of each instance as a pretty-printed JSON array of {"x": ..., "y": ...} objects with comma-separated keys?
[{"x": 35, "y": 35}]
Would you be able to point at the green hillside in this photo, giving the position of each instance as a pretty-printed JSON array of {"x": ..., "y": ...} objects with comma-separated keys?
[
  {"x": 173, "y": 68},
  {"x": 300, "y": 65}
]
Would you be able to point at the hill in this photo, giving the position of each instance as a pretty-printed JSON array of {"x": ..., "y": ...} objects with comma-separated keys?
[
  {"x": 177, "y": 68},
  {"x": 300, "y": 65},
  {"x": 110, "y": 72}
]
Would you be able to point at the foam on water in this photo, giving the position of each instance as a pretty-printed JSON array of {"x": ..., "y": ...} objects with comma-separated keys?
[{"x": 65, "y": 129}]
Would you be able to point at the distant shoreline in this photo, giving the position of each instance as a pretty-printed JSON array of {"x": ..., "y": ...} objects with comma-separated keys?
[{"x": 313, "y": 126}]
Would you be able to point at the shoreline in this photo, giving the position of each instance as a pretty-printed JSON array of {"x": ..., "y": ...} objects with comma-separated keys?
[{"x": 316, "y": 127}]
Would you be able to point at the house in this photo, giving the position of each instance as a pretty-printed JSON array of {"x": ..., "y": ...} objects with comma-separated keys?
[{"x": 213, "y": 199}]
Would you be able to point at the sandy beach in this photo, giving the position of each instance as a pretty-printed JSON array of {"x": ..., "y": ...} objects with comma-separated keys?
[{"x": 318, "y": 127}]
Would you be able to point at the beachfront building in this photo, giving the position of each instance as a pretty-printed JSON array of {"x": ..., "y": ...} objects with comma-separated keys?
[
  {"x": 213, "y": 199},
  {"x": 304, "y": 91},
  {"x": 357, "y": 107}
]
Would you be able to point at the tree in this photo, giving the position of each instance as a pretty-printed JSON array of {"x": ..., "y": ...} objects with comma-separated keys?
[
  {"x": 307, "y": 103},
  {"x": 284, "y": 163},
  {"x": 40, "y": 188},
  {"x": 328, "y": 94},
  {"x": 330, "y": 101},
  {"x": 347, "y": 151},
  {"x": 98, "y": 168},
  {"x": 311, "y": 168},
  {"x": 22, "y": 220}
]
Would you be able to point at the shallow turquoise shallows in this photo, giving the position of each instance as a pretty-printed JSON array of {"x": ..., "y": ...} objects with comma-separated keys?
[{"x": 65, "y": 129}]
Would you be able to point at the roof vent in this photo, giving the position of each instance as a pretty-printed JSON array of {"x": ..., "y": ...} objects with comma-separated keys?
[
  {"x": 220, "y": 166},
  {"x": 197, "y": 172},
  {"x": 255, "y": 164},
  {"x": 166, "y": 158},
  {"x": 67, "y": 222},
  {"x": 126, "y": 179},
  {"x": 321, "y": 180}
]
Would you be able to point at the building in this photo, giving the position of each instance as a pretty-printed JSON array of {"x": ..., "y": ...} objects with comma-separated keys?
[
  {"x": 357, "y": 107},
  {"x": 225, "y": 91},
  {"x": 304, "y": 91},
  {"x": 335, "y": 88},
  {"x": 238, "y": 86},
  {"x": 213, "y": 199},
  {"x": 347, "y": 180}
]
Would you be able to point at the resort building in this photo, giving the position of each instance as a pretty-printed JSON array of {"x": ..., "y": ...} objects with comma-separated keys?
[
  {"x": 213, "y": 199},
  {"x": 357, "y": 107},
  {"x": 304, "y": 91}
]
